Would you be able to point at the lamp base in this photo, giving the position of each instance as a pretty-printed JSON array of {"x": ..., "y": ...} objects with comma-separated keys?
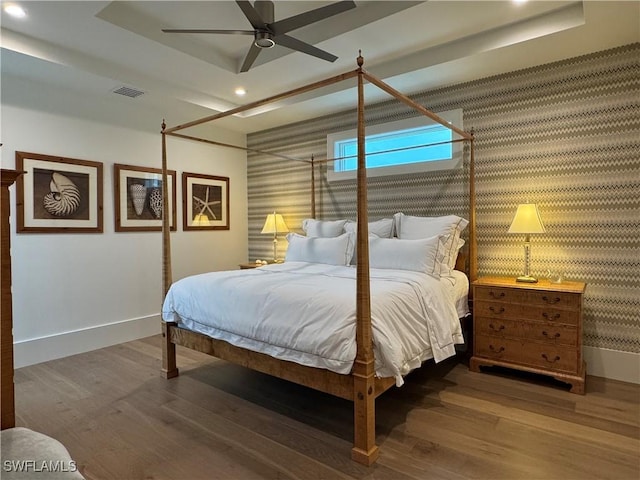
[{"x": 527, "y": 279}]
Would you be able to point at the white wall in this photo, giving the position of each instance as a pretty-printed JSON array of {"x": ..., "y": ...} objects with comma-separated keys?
[{"x": 78, "y": 292}]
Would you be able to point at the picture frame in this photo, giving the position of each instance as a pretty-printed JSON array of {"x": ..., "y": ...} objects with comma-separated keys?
[
  {"x": 58, "y": 194},
  {"x": 138, "y": 198},
  {"x": 205, "y": 202}
]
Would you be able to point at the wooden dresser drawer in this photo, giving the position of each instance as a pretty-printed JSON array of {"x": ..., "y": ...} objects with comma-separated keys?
[
  {"x": 525, "y": 352},
  {"x": 494, "y": 309},
  {"x": 553, "y": 334},
  {"x": 500, "y": 294},
  {"x": 516, "y": 311},
  {"x": 553, "y": 315},
  {"x": 559, "y": 300},
  {"x": 498, "y": 327}
]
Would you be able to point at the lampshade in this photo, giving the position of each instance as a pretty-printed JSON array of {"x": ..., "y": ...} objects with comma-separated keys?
[
  {"x": 201, "y": 220},
  {"x": 274, "y": 224},
  {"x": 527, "y": 220}
]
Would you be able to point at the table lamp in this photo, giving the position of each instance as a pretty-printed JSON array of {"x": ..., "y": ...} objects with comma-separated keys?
[
  {"x": 274, "y": 224},
  {"x": 527, "y": 220}
]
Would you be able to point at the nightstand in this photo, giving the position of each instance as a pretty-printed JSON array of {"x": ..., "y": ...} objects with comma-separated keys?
[
  {"x": 534, "y": 327},
  {"x": 245, "y": 266}
]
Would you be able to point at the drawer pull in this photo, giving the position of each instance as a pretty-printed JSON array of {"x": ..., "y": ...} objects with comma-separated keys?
[
  {"x": 495, "y": 310},
  {"x": 544, "y": 355},
  {"x": 496, "y": 350},
  {"x": 557, "y": 335},
  {"x": 551, "y": 301},
  {"x": 548, "y": 317},
  {"x": 493, "y": 327},
  {"x": 496, "y": 295}
]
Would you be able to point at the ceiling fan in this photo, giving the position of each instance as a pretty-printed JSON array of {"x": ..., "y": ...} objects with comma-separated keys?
[{"x": 268, "y": 33}]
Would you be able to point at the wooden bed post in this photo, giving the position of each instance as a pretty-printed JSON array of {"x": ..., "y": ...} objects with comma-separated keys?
[
  {"x": 313, "y": 188},
  {"x": 169, "y": 369},
  {"x": 473, "y": 239},
  {"x": 7, "y": 389},
  {"x": 364, "y": 449}
]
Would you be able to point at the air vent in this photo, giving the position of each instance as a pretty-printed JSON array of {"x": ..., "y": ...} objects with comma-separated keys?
[{"x": 128, "y": 92}]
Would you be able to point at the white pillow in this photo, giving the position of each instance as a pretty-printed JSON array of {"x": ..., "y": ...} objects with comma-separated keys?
[
  {"x": 382, "y": 228},
  {"x": 454, "y": 258},
  {"x": 323, "y": 228},
  {"x": 420, "y": 255},
  {"x": 329, "y": 250},
  {"x": 410, "y": 227}
]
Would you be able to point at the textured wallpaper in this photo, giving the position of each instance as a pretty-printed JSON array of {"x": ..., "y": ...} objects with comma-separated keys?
[{"x": 564, "y": 135}]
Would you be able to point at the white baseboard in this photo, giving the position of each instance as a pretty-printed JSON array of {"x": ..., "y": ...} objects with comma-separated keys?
[
  {"x": 624, "y": 366},
  {"x": 613, "y": 364},
  {"x": 37, "y": 350}
]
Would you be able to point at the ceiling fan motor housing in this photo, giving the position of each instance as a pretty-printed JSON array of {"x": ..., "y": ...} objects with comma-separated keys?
[
  {"x": 265, "y": 9},
  {"x": 264, "y": 39}
]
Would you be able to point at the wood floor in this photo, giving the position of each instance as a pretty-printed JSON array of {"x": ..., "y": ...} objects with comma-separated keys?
[{"x": 121, "y": 420}]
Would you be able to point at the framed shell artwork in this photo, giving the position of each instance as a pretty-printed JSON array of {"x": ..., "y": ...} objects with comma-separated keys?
[
  {"x": 138, "y": 198},
  {"x": 58, "y": 194},
  {"x": 205, "y": 202}
]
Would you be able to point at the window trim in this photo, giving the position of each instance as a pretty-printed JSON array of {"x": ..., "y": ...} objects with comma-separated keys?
[{"x": 456, "y": 161}]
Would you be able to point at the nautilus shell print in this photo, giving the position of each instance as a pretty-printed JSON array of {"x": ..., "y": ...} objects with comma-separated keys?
[
  {"x": 64, "y": 197},
  {"x": 138, "y": 197},
  {"x": 155, "y": 202}
]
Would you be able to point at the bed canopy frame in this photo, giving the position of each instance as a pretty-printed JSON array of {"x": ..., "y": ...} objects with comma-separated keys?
[{"x": 360, "y": 386}]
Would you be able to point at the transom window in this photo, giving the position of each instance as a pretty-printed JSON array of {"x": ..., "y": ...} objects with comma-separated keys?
[{"x": 404, "y": 146}]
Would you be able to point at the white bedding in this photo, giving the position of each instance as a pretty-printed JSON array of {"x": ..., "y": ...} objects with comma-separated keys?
[
  {"x": 461, "y": 292},
  {"x": 305, "y": 313}
]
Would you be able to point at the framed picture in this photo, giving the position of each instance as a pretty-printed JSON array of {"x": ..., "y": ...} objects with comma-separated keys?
[
  {"x": 205, "y": 202},
  {"x": 138, "y": 198},
  {"x": 58, "y": 195}
]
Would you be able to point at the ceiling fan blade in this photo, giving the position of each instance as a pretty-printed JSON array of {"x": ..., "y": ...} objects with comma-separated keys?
[
  {"x": 252, "y": 15},
  {"x": 198, "y": 30},
  {"x": 252, "y": 54},
  {"x": 300, "y": 46},
  {"x": 297, "y": 21}
]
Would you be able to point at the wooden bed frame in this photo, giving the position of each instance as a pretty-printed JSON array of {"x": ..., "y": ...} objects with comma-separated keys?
[{"x": 361, "y": 386}]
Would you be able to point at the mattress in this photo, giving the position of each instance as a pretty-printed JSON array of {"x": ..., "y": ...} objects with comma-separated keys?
[
  {"x": 305, "y": 313},
  {"x": 460, "y": 293}
]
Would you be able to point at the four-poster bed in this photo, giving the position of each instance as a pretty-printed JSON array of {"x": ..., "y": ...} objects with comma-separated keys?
[{"x": 361, "y": 385}]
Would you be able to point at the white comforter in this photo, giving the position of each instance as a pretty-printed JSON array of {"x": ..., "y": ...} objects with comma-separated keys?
[{"x": 306, "y": 313}]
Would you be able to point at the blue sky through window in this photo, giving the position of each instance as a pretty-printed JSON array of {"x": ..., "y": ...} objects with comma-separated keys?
[{"x": 397, "y": 148}]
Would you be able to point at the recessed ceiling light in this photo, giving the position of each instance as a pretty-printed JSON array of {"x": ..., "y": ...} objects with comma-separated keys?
[
  {"x": 519, "y": 2},
  {"x": 240, "y": 91},
  {"x": 14, "y": 10}
]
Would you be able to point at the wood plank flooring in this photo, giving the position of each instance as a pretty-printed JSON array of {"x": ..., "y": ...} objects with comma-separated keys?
[{"x": 121, "y": 420}]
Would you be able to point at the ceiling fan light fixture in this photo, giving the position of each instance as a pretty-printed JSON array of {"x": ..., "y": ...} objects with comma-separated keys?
[
  {"x": 264, "y": 40},
  {"x": 15, "y": 10}
]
